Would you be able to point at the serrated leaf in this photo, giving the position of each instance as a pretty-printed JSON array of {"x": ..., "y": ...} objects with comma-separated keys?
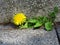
[
  {"x": 40, "y": 18},
  {"x": 45, "y": 19},
  {"x": 38, "y": 24},
  {"x": 48, "y": 26},
  {"x": 32, "y": 20},
  {"x": 55, "y": 9},
  {"x": 24, "y": 26},
  {"x": 30, "y": 25},
  {"x": 52, "y": 14}
]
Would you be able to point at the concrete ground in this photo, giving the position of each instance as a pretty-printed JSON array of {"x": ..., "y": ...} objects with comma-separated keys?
[
  {"x": 58, "y": 32},
  {"x": 27, "y": 36}
]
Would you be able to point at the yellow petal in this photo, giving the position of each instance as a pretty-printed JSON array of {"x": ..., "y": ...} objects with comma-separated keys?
[{"x": 19, "y": 18}]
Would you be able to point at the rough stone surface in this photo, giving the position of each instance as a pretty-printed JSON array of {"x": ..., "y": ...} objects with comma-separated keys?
[
  {"x": 58, "y": 31},
  {"x": 30, "y": 7},
  {"x": 28, "y": 37}
]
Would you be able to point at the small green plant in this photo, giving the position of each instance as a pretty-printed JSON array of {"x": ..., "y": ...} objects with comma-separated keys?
[
  {"x": 52, "y": 15},
  {"x": 24, "y": 26},
  {"x": 32, "y": 20},
  {"x": 48, "y": 26},
  {"x": 38, "y": 24},
  {"x": 46, "y": 21},
  {"x": 56, "y": 9}
]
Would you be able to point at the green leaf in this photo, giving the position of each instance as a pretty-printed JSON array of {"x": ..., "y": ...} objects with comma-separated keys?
[
  {"x": 45, "y": 19},
  {"x": 55, "y": 9},
  {"x": 48, "y": 26},
  {"x": 24, "y": 26},
  {"x": 40, "y": 18},
  {"x": 30, "y": 25},
  {"x": 38, "y": 24},
  {"x": 32, "y": 20},
  {"x": 52, "y": 16}
]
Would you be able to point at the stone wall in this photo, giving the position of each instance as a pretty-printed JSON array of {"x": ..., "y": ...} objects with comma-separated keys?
[{"x": 30, "y": 7}]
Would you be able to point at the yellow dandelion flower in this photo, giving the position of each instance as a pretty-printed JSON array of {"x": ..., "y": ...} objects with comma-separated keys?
[{"x": 19, "y": 18}]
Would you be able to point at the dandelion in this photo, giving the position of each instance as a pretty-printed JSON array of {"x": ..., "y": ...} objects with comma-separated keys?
[{"x": 19, "y": 18}]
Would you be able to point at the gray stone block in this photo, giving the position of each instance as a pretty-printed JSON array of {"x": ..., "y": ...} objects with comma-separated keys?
[
  {"x": 58, "y": 31},
  {"x": 28, "y": 37},
  {"x": 30, "y": 7}
]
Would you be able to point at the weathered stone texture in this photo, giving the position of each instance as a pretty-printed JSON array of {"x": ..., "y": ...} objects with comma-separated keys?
[
  {"x": 28, "y": 37},
  {"x": 30, "y": 7}
]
